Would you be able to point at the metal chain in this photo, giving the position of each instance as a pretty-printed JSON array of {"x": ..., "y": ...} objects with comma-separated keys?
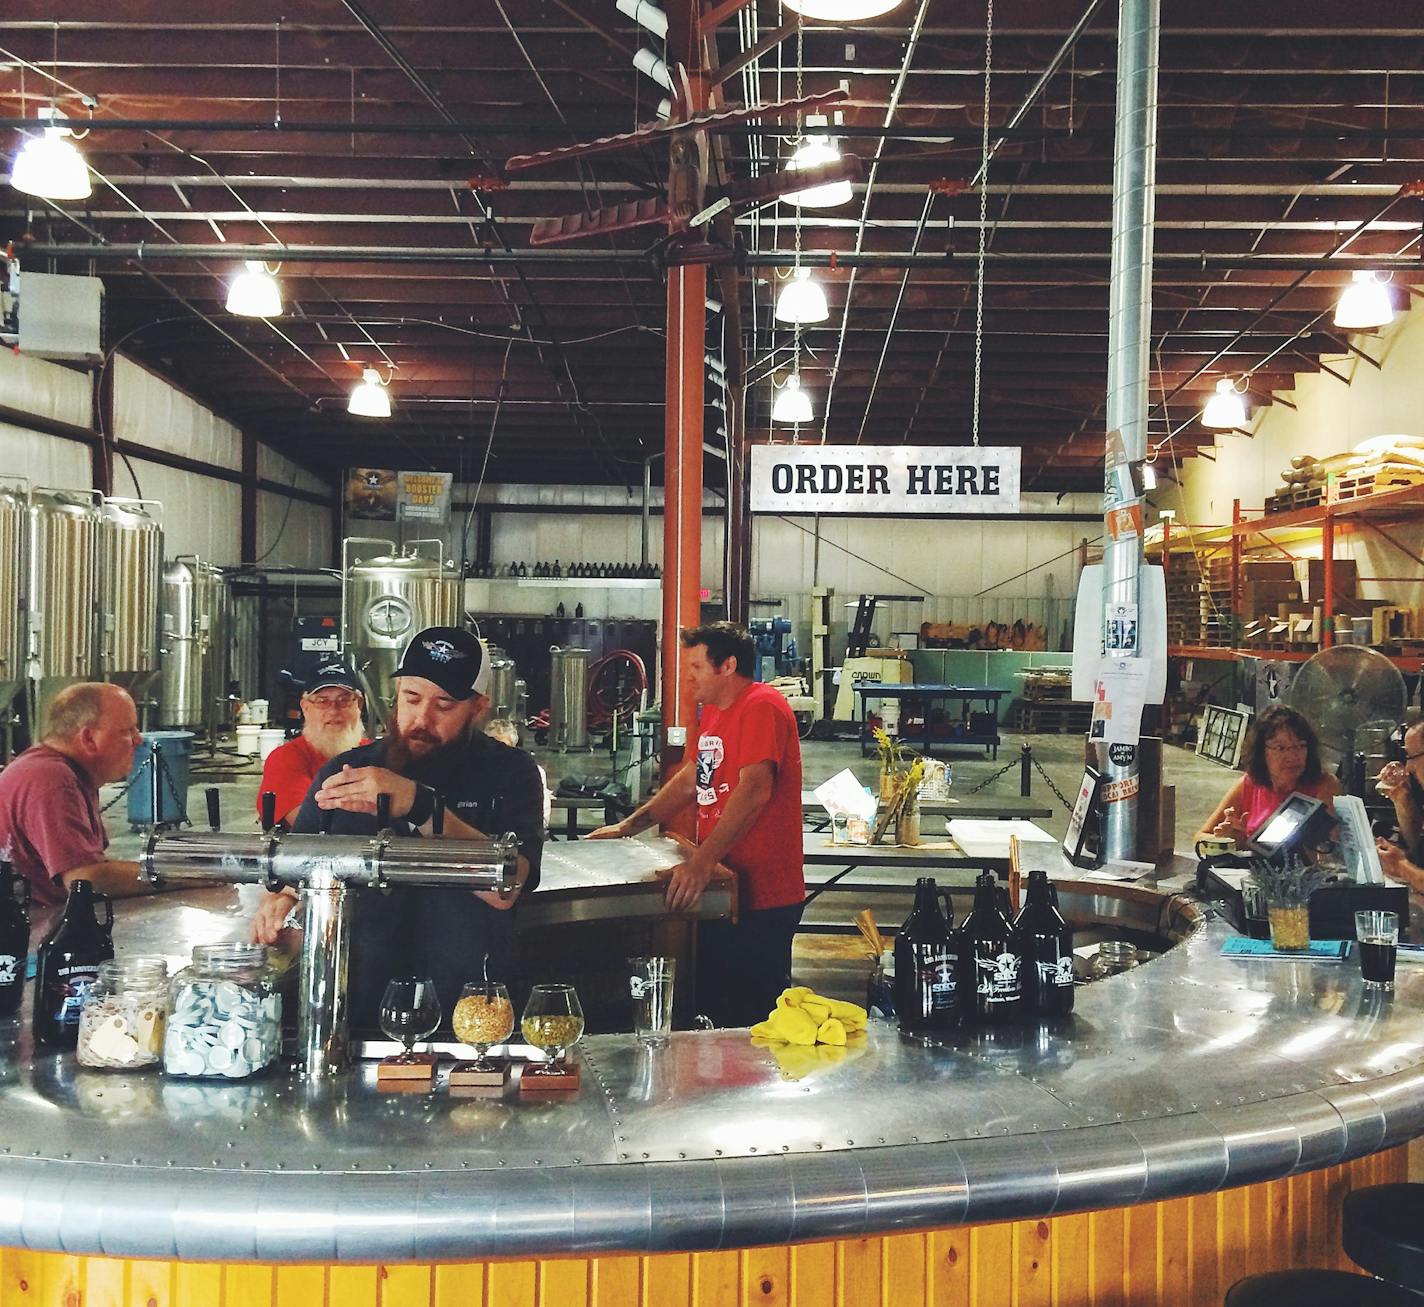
[
  {"x": 983, "y": 222},
  {"x": 984, "y": 784},
  {"x": 1048, "y": 780}
]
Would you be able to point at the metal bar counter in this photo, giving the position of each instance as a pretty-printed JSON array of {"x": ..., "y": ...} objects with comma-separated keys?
[{"x": 1191, "y": 1074}]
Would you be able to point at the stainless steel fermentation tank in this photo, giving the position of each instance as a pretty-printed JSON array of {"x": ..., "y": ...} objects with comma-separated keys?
[
  {"x": 62, "y": 583},
  {"x": 568, "y": 699},
  {"x": 386, "y": 598},
  {"x": 503, "y": 684},
  {"x": 130, "y": 576},
  {"x": 14, "y": 537},
  {"x": 195, "y": 646}
]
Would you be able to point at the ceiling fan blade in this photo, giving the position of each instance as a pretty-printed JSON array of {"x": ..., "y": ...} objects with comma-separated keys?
[
  {"x": 771, "y": 186},
  {"x": 650, "y": 132},
  {"x": 601, "y": 222}
]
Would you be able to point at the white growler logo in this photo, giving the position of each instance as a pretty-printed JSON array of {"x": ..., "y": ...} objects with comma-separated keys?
[
  {"x": 999, "y": 977},
  {"x": 1055, "y": 974}
]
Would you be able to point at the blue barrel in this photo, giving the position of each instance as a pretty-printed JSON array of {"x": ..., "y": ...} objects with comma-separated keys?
[{"x": 173, "y": 749}]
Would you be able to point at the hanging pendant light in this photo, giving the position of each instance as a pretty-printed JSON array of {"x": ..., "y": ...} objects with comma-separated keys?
[
  {"x": 1364, "y": 304},
  {"x": 792, "y": 404},
  {"x": 841, "y": 11},
  {"x": 50, "y": 166},
  {"x": 254, "y": 292},
  {"x": 816, "y": 152},
  {"x": 1226, "y": 409},
  {"x": 370, "y": 399},
  {"x": 801, "y": 300}
]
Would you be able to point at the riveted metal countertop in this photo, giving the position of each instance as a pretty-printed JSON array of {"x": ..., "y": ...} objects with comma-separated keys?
[{"x": 1192, "y": 1073}]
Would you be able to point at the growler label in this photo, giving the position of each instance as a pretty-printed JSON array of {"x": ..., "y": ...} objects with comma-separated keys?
[
  {"x": 1055, "y": 974},
  {"x": 936, "y": 965},
  {"x": 999, "y": 980}
]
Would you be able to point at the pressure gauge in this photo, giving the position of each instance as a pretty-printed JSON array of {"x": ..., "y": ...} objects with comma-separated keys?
[{"x": 389, "y": 617}]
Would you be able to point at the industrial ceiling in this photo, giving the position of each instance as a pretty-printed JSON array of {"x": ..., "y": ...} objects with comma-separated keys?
[{"x": 378, "y": 132}]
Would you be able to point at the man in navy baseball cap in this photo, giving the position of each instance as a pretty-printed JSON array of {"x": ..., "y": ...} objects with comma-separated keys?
[{"x": 434, "y": 757}]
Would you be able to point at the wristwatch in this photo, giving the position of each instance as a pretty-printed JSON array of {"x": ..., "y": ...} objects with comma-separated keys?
[{"x": 422, "y": 809}]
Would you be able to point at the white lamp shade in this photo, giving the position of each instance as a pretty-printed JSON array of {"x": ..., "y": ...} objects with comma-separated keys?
[
  {"x": 841, "y": 11},
  {"x": 1226, "y": 409},
  {"x": 792, "y": 404},
  {"x": 254, "y": 293},
  {"x": 814, "y": 153},
  {"x": 801, "y": 300},
  {"x": 370, "y": 399},
  {"x": 51, "y": 167},
  {"x": 1364, "y": 304}
]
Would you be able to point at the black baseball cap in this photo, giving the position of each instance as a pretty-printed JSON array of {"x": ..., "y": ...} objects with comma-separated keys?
[
  {"x": 333, "y": 671},
  {"x": 453, "y": 659}
]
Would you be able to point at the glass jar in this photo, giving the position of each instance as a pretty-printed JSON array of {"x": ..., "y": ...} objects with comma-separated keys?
[
  {"x": 224, "y": 1014},
  {"x": 1113, "y": 957},
  {"x": 121, "y": 1023}
]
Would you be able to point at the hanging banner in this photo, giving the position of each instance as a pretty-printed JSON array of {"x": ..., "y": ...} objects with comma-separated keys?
[
  {"x": 870, "y": 479},
  {"x": 371, "y": 494},
  {"x": 423, "y": 497}
]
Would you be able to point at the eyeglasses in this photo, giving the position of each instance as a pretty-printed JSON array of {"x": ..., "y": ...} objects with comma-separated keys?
[
  {"x": 338, "y": 699},
  {"x": 1298, "y": 747}
]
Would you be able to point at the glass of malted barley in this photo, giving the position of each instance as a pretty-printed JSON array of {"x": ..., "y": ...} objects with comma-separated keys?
[
  {"x": 483, "y": 1017},
  {"x": 553, "y": 1021}
]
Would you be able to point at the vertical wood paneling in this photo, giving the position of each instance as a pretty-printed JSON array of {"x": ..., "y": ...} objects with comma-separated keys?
[
  {"x": 562, "y": 1282},
  {"x": 1033, "y": 1263},
  {"x": 357, "y": 1286},
  {"x": 991, "y": 1273},
  {"x": 813, "y": 1277},
  {"x": 902, "y": 1270},
  {"x": 667, "y": 1281},
  {"x": 858, "y": 1272},
  {"x": 766, "y": 1276},
  {"x": 614, "y": 1282},
  {"x": 1184, "y": 1251}
]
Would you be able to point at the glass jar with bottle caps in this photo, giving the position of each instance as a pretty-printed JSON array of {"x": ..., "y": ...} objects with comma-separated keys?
[
  {"x": 121, "y": 1024},
  {"x": 224, "y": 1014}
]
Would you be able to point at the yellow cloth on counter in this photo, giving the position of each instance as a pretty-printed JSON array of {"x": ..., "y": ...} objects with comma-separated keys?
[{"x": 803, "y": 1017}]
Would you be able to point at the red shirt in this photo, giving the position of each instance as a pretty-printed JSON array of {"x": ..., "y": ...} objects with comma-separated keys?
[
  {"x": 49, "y": 820},
  {"x": 288, "y": 772},
  {"x": 1262, "y": 800},
  {"x": 759, "y": 726}
]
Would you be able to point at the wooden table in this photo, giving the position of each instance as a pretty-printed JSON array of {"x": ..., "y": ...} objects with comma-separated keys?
[{"x": 986, "y": 809}]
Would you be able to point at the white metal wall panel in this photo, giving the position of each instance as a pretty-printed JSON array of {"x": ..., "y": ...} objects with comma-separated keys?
[
  {"x": 148, "y": 411},
  {"x": 45, "y": 460},
  {"x": 32, "y": 385}
]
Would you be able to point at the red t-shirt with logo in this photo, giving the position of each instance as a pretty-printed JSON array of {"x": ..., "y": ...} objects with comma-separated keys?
[
  {"x": 288, "y": 772},
  {"x": 758, "y": 726}
]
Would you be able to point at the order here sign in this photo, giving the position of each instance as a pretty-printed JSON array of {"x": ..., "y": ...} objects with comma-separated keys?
[{"x": 884, "y": 479}]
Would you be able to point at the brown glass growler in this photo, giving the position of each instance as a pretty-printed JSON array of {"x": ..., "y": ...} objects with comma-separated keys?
[
  {"x": 14, "y": 939},
  {"x": 1047, "y": 942},
  {"x": 927, "y": 989},
  {"x": 991, "y": 959},
  {"x": 69, "y": 964}
]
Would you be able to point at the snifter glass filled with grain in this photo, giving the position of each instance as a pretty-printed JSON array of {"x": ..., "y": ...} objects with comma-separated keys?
[{"x": 553, "y": 1021}]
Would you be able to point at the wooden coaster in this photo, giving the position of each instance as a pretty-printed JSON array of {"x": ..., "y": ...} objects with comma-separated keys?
[
  {"x": 404, "y": 1086},
  {"x": 536, "y": 1079},
  {"x": 418, "y": 1069},
  {"x": 468, "y": 1075},
  {"x": 478, "y": 1091}
]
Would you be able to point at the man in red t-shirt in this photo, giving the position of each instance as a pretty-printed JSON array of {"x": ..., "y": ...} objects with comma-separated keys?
[
  {"x": 746, "y": 783},
  {"x": 331, "y": 724}
]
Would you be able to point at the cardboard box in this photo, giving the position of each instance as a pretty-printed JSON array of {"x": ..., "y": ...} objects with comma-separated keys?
[
  {"x": 1266, "y": 569},
  {"x": 1346, "y": 574}
]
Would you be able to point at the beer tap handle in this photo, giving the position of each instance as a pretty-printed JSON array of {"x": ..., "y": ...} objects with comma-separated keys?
[
  {"x": 437, "y": 818},
  {"x": 269, "y": 808},
  {"x": 328, "y": 817},
  {"x": 214, "y": 808},
  {"x": 383, "y": 812}
]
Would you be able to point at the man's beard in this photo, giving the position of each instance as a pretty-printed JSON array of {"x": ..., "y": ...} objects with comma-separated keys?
[
  {"x": 331, "y": 740},
  {"x": 420, "y": 755}
]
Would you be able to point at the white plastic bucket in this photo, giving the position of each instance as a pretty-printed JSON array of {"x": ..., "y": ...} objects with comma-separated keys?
[
  {"x": 247, "y": 740},
  {"x": 269, "y": 737},
  {"x": 254, "y": 713}
]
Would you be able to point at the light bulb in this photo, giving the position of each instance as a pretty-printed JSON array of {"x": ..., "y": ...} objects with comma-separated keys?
[
  {"x": 1225, "y": 409},
  {"x": 51, "y": 167},
  {"x": 792, "y": 404},
  {"x": 816, "y": 152},
  {"x": 370, "y": 399},
  {"x": 1364, "y": 304},
  {"x": 254, "y": 293},
  {"x": 841, "y": 11},
  {"x": 801, "y": 300}
]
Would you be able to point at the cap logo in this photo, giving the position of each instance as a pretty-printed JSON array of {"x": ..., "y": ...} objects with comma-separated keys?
[{"x": 442, "y": 651}]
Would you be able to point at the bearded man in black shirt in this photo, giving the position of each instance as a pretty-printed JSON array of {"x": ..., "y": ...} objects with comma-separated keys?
[{"x": 434, "y": 754}]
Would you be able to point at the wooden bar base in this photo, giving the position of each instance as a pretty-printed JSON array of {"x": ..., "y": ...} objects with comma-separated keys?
[
  {"x": 537, "y": 1080},
  {"x": 404, "y": 1073},
  {"x": 469, "y": 1075}
]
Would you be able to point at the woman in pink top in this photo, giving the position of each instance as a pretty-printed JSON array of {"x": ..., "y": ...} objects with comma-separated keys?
[{"x": 1282, "y": 758}]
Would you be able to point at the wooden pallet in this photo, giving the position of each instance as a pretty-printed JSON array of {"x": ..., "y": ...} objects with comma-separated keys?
[
  {"x": 1376, "y": 480},
  {"x": 1287, "y": 501},
  {"x": 1029, "y": 718}
]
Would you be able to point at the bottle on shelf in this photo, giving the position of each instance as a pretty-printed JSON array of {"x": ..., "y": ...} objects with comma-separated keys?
[
  {"x": 1047, "y": 941},
  {"x": 558, "y": 571},
  {"x": 14, "y": 939},
  {"x": 69, "y": 964},
  {"x": 559, "y": 611},
  {"x": 927, "y": 964},
  {"x": 578, "y": 610},
  {"x": 992, "y": 958}
]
